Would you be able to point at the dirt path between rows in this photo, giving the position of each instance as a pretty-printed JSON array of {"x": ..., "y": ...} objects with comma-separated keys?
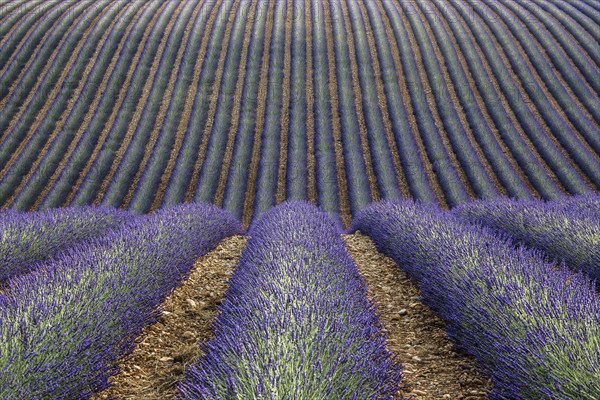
[
  {"x": 431, "y": 369},
  {"x": 167, "y": 347}
]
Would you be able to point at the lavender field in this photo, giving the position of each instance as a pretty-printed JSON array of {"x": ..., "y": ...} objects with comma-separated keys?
[{"x": 459, "y": 137}]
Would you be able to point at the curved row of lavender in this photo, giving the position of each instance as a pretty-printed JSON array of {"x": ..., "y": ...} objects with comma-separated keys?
[
  {"x": 29, "y": 238},
  {"x": 569, "y": 231},
  {"x": 533, "y": 325},
  {"x": 64, "y": 325},
  {"x": 296, "y": 322}
]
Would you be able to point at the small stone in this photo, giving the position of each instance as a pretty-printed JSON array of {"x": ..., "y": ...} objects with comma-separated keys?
[
  {"x": 447, "y": 396},
  {"x": 137, "y": 367},
  {"x": 166, "y": 312},
  {"x": 417, "y": 391},
  {"x": 191, "y": 302},
  {"x": 417, "y": 358},
  {"x": 188, "y": 335},
  {"x": 403, "y": 312},
  {"x": 165, "y": 359}
]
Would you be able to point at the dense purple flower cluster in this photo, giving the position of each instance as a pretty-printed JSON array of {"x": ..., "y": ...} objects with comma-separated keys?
[
  {"x": 296, "y": 322},
  {"x": 28, "y": 238},
  {"x": 64, "y": 325},
  {"x": 567, "y": 228},
  {"x": 533, "y": 325}
]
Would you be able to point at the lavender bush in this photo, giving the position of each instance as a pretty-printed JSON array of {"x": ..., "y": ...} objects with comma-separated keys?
[
  {"x": 296, "y": 322},
  {"x": 28, "y": 238},
  {"x": 533, "y": 325},
  {"x": 64, "y": 325},
  {"x": 567, "y": 229}
]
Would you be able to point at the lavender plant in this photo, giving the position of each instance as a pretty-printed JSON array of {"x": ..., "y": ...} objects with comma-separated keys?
[
  {"x": 296, "y": 322},
  {"x": 570, "y": 231},
  {"x": 533, "y": 325},
  {"x": 28, "y": 238},
  {"x": 64, "y": 326}
]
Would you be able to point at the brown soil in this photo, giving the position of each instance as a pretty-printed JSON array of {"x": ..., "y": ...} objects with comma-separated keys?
[
  {"x": 559, "y": 76},
  {"x": 340, "y": 166},
  {"x": 457, "y": 104},
  {"x": 189, "y": 195},
  {"x": 115, "y": 109},
  {"x": 41, "y": 82},
  {"x": 360, "y": 115},
  {"x": 58, "y": 129},
  {"x": 431, "y": 369},
  {"x": 505, "y": 104},
  {"x": 31, "y": 59},
  {"x": 432, "y": 103},
  {"x": 25, "y": 39},
  {"x": 141, "y": 102},
  {"x": 383, "y": 106},
  {"x": 526, "y": 98},
  {"x": 260, "y": 120},
  {"x": 556, "y": 108},
  {"x": 171, "y": 344},
  {"x": 412, "y": 119},
  {"x": 187, "y": 110},
  {"x": 235, "y": 111},
  {"x": 163, "y": 108},
  {"x": 280, "y": 194},
  {"x": 481, "y": 104},
  {"x": 88, "y": 117},
  {"x": 310, "y": 116}
]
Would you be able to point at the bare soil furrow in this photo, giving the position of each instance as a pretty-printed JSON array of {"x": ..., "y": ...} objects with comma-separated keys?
[
  {"x": 60, "y": 123},
  {"x": 382, "y": 103},
  {"x": 235, "y": 111},
  {"x": 250, "y": 193},
  {"x": 187, "y": 110},
  {"x": 433, "y": 180},
  {"x": 342, "y": 182},
  {"x": 310, "y": 115},
  {"x": 432, "y": 370},
  {"x": 162, "y": 111},
  {"x": 166, "y": 348},
  {"x": 89, "y": 114},
  {"x": 141, "y": 102},
  {"x": 117, "y": 104},
  {"x": 54, "y": 92},
  {"x": 213, "y": 105},
  {"x": 280, "y": 195},
  {"x": 360, "y": 114}
]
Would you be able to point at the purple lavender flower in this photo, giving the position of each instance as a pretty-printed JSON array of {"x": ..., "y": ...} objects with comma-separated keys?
[
  {"x": 533, "y": 325},
  {"x": 296, "y": 322},
  {"x": 64, "y": 326}
]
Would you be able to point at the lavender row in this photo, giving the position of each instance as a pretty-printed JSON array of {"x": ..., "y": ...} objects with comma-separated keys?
[
  {"x": 533, "y": 325},
  {"x": 57, "y": 193},
  {"x": 559, "y": 231},
  {"x": 29, "y": 238},
  {"x": 64, "y": 326},
  {"x": 296, "y": 322}
]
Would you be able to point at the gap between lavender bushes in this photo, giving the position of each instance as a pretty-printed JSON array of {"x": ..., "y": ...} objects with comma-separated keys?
[{"x": 296, "y": 322}]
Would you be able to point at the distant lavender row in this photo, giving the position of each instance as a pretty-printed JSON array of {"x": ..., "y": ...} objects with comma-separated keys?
[
  {"x": 296, "y": 322},
  {"x": 564, "y": 232},
  {"x": 64, "y": 326},
  {"x": 28, "y": 238},
  {"x": 533, "y": 325}
]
